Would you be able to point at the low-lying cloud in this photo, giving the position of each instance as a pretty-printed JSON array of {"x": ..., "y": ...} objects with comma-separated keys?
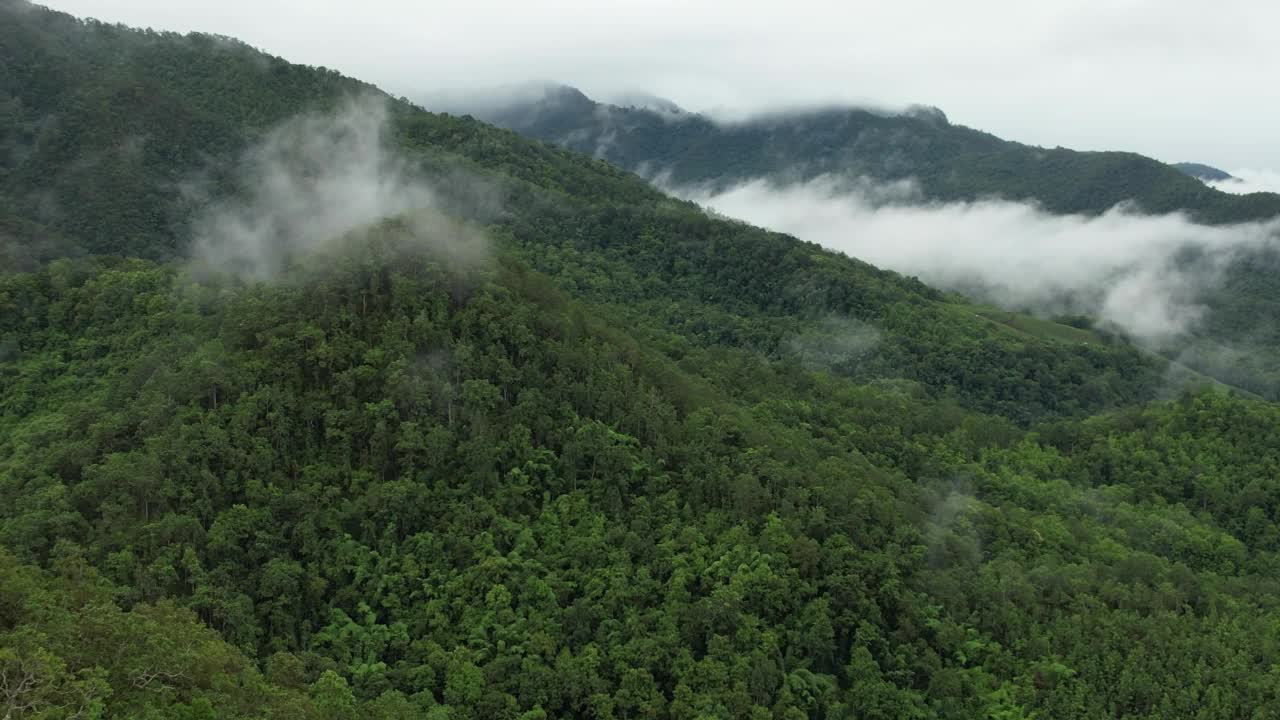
[
  {"x": 1145, "y": 275},
  {"x": 1247, "y": 181},
  {"x": 312, "y": 180}
]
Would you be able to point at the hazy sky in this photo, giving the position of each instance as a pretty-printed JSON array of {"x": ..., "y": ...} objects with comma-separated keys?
[{"x": 1175, "y": 79}]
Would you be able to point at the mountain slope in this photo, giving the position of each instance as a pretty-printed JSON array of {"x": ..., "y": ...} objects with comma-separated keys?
[
  {"x": 103, "y": 124},
  {"x": 1234, "y": 341},
  {"x": 621, "y": 459}
]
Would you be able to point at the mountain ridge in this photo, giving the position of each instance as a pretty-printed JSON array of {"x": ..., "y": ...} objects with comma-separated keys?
[
  {"x": 1200, "y": 171},
  {"x": 950, "y": 162}
]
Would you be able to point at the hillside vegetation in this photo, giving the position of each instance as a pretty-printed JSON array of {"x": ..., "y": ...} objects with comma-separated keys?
[{"x": 558, "y": 445}]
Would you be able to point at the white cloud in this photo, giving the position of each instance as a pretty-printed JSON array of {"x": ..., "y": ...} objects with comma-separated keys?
[
  {"x": 1249, "y": 181},
  {"x": 1142, "y": 273}
]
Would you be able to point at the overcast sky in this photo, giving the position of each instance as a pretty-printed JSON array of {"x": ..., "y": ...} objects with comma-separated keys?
[{"x": 1174, "y": 79}]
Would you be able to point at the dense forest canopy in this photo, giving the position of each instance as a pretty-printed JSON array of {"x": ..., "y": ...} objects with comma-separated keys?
[{"x": 544, "y": 442}]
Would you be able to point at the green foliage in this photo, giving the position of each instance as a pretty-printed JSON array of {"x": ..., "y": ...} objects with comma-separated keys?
[
  {"x": 409, "y": 490},
  {"x": 68, "y": 651},
  {"x": 639, "y": 464}
]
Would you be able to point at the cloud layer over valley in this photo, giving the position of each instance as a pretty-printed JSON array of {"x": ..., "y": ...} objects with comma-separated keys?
[
  {"x": 1248, "y": 181},
  {"x": 1145, "y": 275}
]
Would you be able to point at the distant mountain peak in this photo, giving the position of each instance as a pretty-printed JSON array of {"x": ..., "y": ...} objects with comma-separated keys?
[
  {"x": 565, "y": 92},
  {"x": 928, "y": 113},
  {"x": 647, "y": 101}
]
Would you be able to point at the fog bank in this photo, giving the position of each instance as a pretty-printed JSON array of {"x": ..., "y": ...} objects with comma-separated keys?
[{"x": 1142, "y": 274}]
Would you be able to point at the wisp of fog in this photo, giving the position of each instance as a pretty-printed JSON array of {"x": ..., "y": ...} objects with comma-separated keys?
[
  {"x": 310, "y": 181},
  {"x": 1139, "y": 273}
]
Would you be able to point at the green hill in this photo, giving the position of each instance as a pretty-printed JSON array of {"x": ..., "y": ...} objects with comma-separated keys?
[{"x": 556, "y": 445}]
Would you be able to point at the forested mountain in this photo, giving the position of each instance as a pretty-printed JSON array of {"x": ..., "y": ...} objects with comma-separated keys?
[
  {"x": 949, "y": 162},
  {"x": 540, "y": 441},
  {"x": 601, "y": 233}
]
